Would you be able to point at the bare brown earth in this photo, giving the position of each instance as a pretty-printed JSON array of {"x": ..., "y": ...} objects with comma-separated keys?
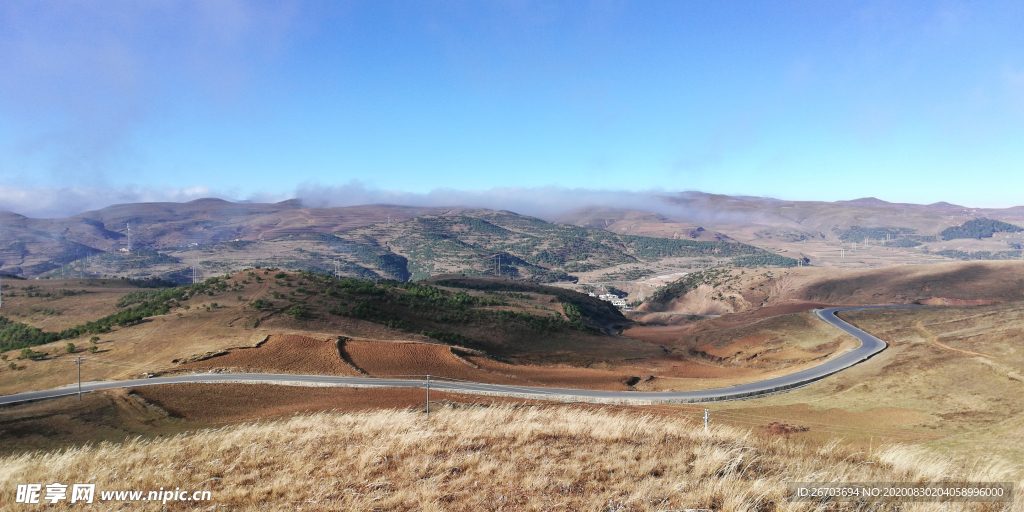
[
  {"x": 954, "y": 283},
  {"x": 305, "y": 355},
  {"x": 695, "y": 368},
  {"x": 57, "y": 304},
  {"x": 290, "y": 353},
  {"x": 112, "y": 416}
]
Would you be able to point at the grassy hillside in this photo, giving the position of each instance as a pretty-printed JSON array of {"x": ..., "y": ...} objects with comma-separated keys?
[
  {"x": 489, "y": 315},
  {"x": 500, "y": 458}
]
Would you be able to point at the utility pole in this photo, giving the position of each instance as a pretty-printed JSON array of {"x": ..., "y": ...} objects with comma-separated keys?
[
  {"x": 78, "y": 361},
  {"x": 706, "y": 420},
  {"x": 428, "y": 396},
  {"x": 842, "y": 252},
  {"x": 129, "y": 236}
]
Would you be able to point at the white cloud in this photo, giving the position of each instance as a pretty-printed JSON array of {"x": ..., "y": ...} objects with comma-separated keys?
[
  {"x": 67, "y": 201},
  {"x": 545, "y": 202}
]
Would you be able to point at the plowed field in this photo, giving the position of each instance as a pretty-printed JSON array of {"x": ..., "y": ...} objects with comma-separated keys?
[
  {"x": 282, "y": 353},
  {"x": 383, "y": 359}
]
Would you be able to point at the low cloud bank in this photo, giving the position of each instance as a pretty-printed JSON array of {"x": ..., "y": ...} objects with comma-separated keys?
[
  {"x": 67, "y": 201},
  {"x": 545, "y": 202}
]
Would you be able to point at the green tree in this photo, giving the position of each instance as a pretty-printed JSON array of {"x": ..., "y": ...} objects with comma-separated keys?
[{"x": 70, "y": 348}]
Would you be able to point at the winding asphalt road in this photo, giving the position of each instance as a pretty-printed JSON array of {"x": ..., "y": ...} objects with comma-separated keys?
[{"x": 870, "y": 346}]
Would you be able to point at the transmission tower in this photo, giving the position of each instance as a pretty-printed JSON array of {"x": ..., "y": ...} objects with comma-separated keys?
[{"x": 129, "y": 237}]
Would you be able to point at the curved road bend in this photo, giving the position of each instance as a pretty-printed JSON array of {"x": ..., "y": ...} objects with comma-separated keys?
[{"x": 870, "y": 346}]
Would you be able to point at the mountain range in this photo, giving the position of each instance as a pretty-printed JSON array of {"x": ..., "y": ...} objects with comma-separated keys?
[{"x": 408, "y": 242}]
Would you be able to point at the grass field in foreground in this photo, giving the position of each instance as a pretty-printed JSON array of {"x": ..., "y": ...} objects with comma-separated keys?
[{"x": 493, "y": 458}]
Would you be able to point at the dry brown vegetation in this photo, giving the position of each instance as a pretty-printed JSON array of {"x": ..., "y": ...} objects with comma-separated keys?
[
  {"x": 503, "y": 458},
  {"x": 248, "y": 402},
  {"x": 950, "y": 381},
  {"x": 734, "y": 291},
  {"x": 119, "y": 415},
  {"x": 57, "y": 304}
]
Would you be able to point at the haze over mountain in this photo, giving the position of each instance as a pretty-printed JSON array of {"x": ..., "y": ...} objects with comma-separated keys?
[{"x": 806, "y": 230}]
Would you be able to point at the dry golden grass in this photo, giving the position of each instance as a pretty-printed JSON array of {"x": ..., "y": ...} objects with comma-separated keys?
[
  {"x": 504, "y": 458},
  {"x": 950, "y": 380}
]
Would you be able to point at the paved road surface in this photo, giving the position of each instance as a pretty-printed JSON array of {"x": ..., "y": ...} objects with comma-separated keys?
[{"x": 870, "y": 346}]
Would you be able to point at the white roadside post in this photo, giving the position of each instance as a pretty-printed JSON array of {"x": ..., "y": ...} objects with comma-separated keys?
[
  {"x": 428, "y": 395},
  {"x": 705, "y": 420}
]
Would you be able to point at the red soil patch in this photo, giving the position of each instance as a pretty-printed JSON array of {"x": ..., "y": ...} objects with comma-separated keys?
[
  {"x": 664, "y": 335},
  {"x": 307, "y": 355},
  {"x": 282, "y": 353},
  {"x": 734, "y": 348},
  {"x": 222, "y": 403},
  {"x": 382, "y": 359},
  {"x": 680, "y": 326},
  {"x": 557, "y": 376}
]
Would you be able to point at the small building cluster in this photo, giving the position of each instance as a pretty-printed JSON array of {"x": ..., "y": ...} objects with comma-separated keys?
[{"x": 614, "y": 299}]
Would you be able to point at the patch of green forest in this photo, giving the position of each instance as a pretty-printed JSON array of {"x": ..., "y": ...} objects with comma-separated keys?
[
  {"x": 979, "y": 228},
  {"x": 981, "y": 255}
]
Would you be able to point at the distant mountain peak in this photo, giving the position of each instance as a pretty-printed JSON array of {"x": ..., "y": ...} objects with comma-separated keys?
[
  {"x": 866, "y": 200},
  {"x": 206, "y": 200},
  {"x": 297, "y": 203}
]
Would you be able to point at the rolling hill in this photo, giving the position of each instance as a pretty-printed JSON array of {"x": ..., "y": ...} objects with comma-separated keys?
[
  {"x": 369, "y": 242},
  {"x": 861, "y": 233}
]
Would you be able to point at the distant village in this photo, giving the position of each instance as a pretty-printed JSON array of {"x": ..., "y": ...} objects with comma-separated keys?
[{"x": 614, "y": 299}]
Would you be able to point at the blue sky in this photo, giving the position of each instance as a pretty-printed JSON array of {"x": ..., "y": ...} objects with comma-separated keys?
[{"x": 113, "y": 101}]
